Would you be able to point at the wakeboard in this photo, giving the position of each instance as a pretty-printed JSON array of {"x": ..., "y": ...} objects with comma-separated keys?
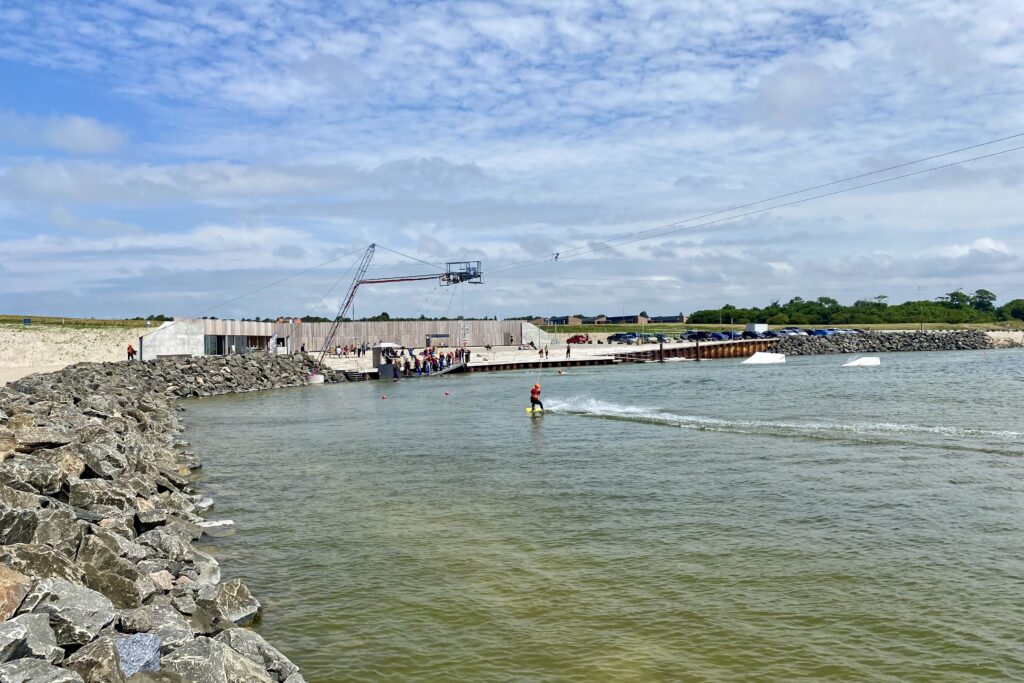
[{"x": 534, "y": 412}]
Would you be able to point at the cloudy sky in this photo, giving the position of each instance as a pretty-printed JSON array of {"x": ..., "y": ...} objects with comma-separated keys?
[{"x": 169, "y": 157}]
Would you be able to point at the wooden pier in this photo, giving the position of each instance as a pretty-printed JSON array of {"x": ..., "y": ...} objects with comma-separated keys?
[{"x": 701, "y": 351}]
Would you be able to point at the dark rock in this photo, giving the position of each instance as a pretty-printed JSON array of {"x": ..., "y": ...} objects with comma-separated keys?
[
  {"x": 139, "y": 652},
  {"x": 43, "y": 561},
  {"x": 97, "y": 662},
  {"x": 183, "y": 601},
  {"x": 17, "y": 525},
  {"x": 14, "y": 586},
  {"x": 206, "y": 622},
  {"x": 252, "y": 646},
  {"x": 76, "y": 613},
  {"x": 36, "y": 671}
]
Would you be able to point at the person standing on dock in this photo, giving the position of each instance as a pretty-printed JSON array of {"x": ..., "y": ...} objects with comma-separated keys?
[
  {"x": 535, "y": 397},
  {"x": 131, "y": 353},
  {"x": 568, "y": 349}
]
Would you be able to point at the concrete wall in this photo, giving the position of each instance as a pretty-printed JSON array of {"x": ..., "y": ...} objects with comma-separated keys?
[
  {"x": 187, "y": 336},
  {"x": 174, "y": 338}
]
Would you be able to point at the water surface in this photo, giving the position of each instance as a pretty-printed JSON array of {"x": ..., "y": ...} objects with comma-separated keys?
[{"x": 684, "y": 521}]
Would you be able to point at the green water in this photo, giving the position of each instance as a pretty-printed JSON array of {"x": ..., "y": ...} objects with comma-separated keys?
[{"x": 676, "y": 522}]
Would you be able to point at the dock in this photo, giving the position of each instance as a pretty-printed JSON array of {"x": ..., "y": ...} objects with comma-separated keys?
[{"x": 586, "y": 356}]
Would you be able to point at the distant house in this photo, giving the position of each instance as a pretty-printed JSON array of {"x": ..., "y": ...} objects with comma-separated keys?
[
  {"x": 539, "y": 321},
  {"x": 565, "y": 320},
  {"x": 627, "y": 320},
  {"x": 668, "y": 319},
  {"x": 595, "y": 320}
]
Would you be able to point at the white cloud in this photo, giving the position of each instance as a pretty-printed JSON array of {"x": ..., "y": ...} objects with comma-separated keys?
[
  {"x": 82, "y": 135},
  {"x": 75, "y": 134}
]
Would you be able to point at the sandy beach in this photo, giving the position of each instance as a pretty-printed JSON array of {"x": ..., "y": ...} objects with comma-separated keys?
[{"x": 28, "y": 350}]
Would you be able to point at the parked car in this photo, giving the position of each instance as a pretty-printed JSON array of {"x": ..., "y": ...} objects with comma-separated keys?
[
  {"x": 822, "y": 333},
  {"x": 698, "y": 335},
  {"x": 578, "y": 339},
  {"x": 751, "y": 335}
]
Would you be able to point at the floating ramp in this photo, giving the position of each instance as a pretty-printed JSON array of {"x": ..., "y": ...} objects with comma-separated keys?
[
  {"x": 863, "y": 362},
  {"x": 765, "y": 358}
]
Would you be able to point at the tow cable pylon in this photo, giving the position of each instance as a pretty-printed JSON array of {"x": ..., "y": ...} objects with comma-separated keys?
[{"x": 456, "y": 272}]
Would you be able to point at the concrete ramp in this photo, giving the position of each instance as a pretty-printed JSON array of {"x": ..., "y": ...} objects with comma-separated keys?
[
  {"x": 765, "y": 358},
  {"x": 863, "y": 362},
  {"x": 532, "y": 333}
]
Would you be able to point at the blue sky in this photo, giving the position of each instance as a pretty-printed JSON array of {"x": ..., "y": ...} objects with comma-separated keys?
[{"x": 163, "y": 158}]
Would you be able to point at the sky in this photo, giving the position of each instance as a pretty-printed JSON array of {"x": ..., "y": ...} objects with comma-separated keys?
[{"x": 169, "y": 158}]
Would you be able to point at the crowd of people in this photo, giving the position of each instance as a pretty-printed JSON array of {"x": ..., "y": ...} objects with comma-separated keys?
[
  {"x": 429, "y": 360},
  {"x": 351, "y": 350}
]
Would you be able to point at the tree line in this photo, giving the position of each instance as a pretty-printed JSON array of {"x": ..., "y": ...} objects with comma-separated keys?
[{"x": 954, "y": 307}]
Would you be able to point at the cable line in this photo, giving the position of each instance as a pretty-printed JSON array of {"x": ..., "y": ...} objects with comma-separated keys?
[
  {"x": 662, "y": 230},
  {"x": 432, "y": 265}
]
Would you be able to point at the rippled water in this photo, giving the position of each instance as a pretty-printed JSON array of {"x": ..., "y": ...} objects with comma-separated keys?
[{"x": 685, "y": 521}]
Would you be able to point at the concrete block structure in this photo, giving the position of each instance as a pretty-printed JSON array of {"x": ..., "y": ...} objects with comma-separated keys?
[{"x": 198, "y": 337}]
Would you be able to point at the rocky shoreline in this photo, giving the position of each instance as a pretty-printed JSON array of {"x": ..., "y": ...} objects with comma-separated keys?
[
  {"x": 885, "y": 342},
  {"x": 99, "y": 578}
]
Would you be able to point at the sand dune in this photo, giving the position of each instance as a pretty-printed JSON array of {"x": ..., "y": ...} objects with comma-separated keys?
[{"x": 27, "y": 350}]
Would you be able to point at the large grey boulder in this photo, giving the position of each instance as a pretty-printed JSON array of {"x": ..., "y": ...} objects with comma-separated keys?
[
  {"x": 29, "y": 635},
  {"x": 36, "y": 671},
  {"x": 28, "y": 473},
  {"x": 17, "y": 525},
  {"x": 207, "y": 661},
  {"x": 64, "y": 458},
  {"x": 86, "y": 493},
  {"x": 230, "y": 600},
  {"x": 76, "y": 613},
  {"x": 165, "y": 543},
  {"x": 161, "y": 621},
  {"x": 138, "y": 652},
  {"x": 102, "y": 460},
  {"x": 14, "y": 586},
  {"x": 33, "y": 559},
  {"x": 97, "y": 662},
  {"x": 252, "y": 646},
  {"x": 295, "y": 678},
  {"x": 18, "y": 499},
  {"x": 32, "y": 432},
  {"x": 59, "y": 528},
  {"x": 105, "y": 571}
]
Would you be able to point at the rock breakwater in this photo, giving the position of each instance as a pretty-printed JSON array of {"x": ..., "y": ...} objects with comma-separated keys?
[
  {"x": 99, "y": 577},
  {"x": 882, "y": 342}
]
